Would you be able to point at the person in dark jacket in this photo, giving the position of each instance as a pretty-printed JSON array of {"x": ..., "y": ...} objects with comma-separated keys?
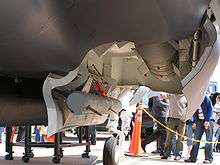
[
  {"x": 160, "y": 110},
  {"x": 147, "y": 128},
  {"x": 204, "y": 123}
]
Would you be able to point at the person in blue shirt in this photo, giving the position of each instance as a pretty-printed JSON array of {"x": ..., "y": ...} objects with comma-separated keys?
[{"x": 204, "y": 123}]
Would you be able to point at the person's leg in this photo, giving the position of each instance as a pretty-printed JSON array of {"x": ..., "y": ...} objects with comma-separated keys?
[
  {"x": 174, "y": 144},
  {"x": 216, "y": 145},
  {"x": 197, "y": 136},
  {"x": 179, "y": 144},
  {"x": 150, "y": 138},
  {"x": 189, "y": 134},
  {"x": 145, "y": 133},
  {"x": 168, "y": 144},
  {"x": 209, "y": 146},
  {"x": 37, "y": 134},
  {"x": 162, "y": 138},
  {"x": 158, "y": 145}
]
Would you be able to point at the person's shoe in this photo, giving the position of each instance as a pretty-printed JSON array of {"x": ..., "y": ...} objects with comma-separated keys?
[
  {"x": 161, "y": 153},
  {"x": 178, "y": 157},
  {"x": 164, "y": 157},
  {"x": 143, "y": 146},
  {"x": 155, "y": 152},
  {"x": 190, "y": 161},
  {"x": 207, "y": 161}
]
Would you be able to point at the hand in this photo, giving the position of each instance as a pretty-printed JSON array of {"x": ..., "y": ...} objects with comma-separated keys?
[
  {"x": 206, "y": 124},
  {"x": 194, "y": 126}
]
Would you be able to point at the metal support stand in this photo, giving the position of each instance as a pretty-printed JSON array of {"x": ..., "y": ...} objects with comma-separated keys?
[
  {"x": 61, "y": 141},
  {"x": 86, "y": 153},
  {"x": 57, "y": 149},
  {"x": 27, "y": 149},
  {"x": 80, "y": 134},
  {"x": 9, "y": 144},
  {"x": 57, "y": 145}
]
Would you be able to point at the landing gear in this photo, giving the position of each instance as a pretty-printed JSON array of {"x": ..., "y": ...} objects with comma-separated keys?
[{"x": 111, "y": 152}]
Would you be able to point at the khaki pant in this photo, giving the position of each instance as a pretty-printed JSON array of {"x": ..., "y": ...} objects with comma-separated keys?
[{"x": 178, "y": 126}]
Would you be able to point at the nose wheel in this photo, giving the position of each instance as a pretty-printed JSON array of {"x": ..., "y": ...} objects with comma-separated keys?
[{"x": 111, "y": 152}]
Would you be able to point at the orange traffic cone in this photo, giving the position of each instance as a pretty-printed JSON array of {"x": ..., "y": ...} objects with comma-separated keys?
[{"x": 135, "y": 146}]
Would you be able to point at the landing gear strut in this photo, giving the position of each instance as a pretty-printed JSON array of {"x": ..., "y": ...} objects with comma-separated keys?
[
  {"x": 28, "y": 154},
  {"x": 58, "y": 152}
]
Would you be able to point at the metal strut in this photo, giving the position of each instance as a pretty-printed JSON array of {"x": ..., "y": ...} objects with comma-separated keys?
[
  {"x": 196, "y": 45},
  {"x": 27, "y": 148}
]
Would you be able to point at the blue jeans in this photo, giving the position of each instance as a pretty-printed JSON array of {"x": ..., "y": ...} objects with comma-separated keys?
[
  {"x": 198, "y": 135},
  {"x": 174, "y": 144},
  {"x": 1, "y": 131},
  {"x": 189, "y": 133},
  {"x": 37, "y": 134}
]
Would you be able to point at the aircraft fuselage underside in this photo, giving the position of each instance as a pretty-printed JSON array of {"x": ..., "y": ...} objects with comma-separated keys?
[{"x": 81, "y": 56}]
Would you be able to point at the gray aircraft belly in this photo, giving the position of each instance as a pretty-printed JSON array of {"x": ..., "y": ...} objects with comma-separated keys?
[{"x": 40, "y": 36}]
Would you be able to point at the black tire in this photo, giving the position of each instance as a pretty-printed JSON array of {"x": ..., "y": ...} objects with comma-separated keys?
[{"x": 109, "y": 151}]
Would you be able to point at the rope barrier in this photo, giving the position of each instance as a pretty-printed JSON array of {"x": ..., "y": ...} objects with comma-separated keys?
[{"x": 183, "y": 136}]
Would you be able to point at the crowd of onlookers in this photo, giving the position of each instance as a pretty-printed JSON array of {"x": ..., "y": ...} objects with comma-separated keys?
[{"x": 168, "y": 109}]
